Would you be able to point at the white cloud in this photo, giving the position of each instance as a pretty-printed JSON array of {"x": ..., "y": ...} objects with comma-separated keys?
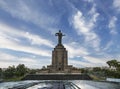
[
  {"x": 94, "y": 59},
  {"x": 7, "y": 44},
  {"x": 7, "y": 59},
  {"x": 35, "y": 39},
  {"x": 10, "y": 37},
  {"x": 80, "y": 64},
  {"x": 88, "y": 0},
  {"x": 25, "y": 10},
  {"x": 34, "y": 63},
  {"x": 84, "y": 27},
  {"x": 15, "y": 34},
  {"x": 4, "y": 64},
  {"x": 116, "y": 4},
  {"x": 108, "y": 45},
  {"x": 112, "y": 25},
  {"x": 75, "y": 51}
]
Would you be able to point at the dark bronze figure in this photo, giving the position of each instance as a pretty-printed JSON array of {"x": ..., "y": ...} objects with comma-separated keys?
[{"x": 59, "y": 34}]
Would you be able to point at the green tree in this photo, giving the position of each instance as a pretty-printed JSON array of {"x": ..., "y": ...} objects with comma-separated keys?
[
  {"x": 96, "y": 69},
  {"x": 9, "y": 72},
  {"x": 32, "y": 71},
  {"x": 109, "y": 63},
  {"x": 21, "y": 70},
  {"x": 113, "y": 73},
  {"x": 112, "y": 63},
  {"x": 0, "y": 73}
]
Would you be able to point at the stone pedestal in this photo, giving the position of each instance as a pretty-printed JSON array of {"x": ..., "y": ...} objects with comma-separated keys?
[{"x": 59, "y": 60}]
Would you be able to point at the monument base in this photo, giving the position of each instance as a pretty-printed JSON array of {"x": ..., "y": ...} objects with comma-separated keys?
[{"x": 57, "y": 77}]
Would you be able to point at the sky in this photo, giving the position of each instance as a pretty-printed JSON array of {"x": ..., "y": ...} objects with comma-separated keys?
[{"x": 28, "y": 27}]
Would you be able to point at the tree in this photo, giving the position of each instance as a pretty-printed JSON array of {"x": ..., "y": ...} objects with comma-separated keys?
[
  {"x": 0, "y": 73},
  {"x": 109, "y": 63},
  {"x": 113, "y": 73},
  {"x": 43, "y": 67},
  {"x": 21, "y": 70},
  {"x": 32, "y": 71},
  {"x": 9, "y": 72},
  {"x": 112, "y": 63},
  {"x": 96, "y": 69}
]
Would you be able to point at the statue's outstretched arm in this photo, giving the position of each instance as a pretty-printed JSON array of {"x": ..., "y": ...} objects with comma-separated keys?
[{"x": 56, "y": 34}]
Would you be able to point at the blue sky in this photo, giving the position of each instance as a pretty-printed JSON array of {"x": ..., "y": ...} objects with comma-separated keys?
[{"x": 28, "y": 27}]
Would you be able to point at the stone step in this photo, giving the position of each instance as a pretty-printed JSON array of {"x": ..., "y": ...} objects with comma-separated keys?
[{"x": 57, "y": 77}]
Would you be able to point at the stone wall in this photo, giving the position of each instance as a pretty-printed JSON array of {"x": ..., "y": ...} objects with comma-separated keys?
[{"x": 57, "y": 77}]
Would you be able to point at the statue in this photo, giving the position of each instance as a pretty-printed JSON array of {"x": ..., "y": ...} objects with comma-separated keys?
[{"x": 59, "y": 34}]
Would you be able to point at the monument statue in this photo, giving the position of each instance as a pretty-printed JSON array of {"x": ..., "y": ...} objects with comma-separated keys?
[
  {"x": 59, "y": 68},
  {"x": 59, "y": 57},
  {"x": 59, "y": 34}
]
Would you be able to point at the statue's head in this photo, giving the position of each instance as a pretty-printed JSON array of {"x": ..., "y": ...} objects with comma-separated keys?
[{"x": 59, "y": 31}]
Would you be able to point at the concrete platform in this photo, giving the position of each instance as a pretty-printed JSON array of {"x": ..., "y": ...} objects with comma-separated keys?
[
  {"x": 47, "y": 85},
  {"x": 57, "y": 77}
]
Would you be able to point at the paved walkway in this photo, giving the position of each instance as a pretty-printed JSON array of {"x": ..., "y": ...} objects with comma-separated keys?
[{"x": 47, "y": 85}]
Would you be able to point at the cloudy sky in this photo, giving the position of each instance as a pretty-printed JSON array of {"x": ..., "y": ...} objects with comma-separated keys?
[{"x": 28, "y": 27}]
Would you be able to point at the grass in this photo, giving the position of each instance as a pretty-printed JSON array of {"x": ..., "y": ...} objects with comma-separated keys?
[
  {"x": 13, "y": 79},
  {"x": 96, "y": 78}
]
